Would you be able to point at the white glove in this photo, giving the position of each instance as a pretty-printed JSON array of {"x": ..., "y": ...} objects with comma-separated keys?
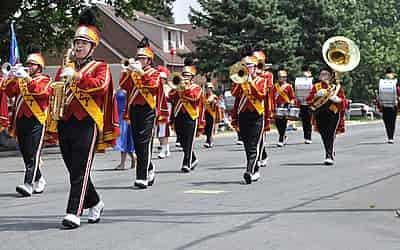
[
  {"x": 136, "y": 67},
  {"x": 21, "y": 73},
  {"x": 335, "y": 99},
  {"x": 321, "y": 92},
  {"x": 68, "y": 72},
  {"x": 250, "y": 79}
]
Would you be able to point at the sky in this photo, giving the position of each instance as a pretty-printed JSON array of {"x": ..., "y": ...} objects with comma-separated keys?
[{"x": 181, "y": 10}]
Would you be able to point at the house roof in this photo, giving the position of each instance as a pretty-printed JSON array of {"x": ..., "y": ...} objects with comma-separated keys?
[
  {"x": 139, "y": 35},
  {"x": 192, "y": 33},
  {"x": 150, "y": 19}
]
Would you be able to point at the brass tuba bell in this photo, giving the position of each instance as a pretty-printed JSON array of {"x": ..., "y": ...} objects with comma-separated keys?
[
  {"x": 341, "y": 54},
  {"x": 239, "y": 73}
]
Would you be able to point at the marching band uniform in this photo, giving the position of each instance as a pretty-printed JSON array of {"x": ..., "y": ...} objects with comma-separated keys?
[
  {"x": 31, "y": 91},
  {"x": 212, "y": 114},
  {"x": 89, "y": 123},
  {"x": 146, "y": 105},
  {"x": 268, "y": 105},
  {"x": 305, "y": 113},
  {"x": 328, "y": 119},
  {"x": 248, "y": 117},
  {"x": 4, "y": 117},
  {"x": 390, "y": 113},
  {"x": 187, "y": 115},
  {"x": 163, "y": 128},
  {"x": 284, "y": 97}
]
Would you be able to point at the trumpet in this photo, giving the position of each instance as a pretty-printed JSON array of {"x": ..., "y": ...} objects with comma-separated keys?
[
  {"x": 177, "y": 82},
  {"x": 126, "y": 62},
  {"x": 239, "y": 73},
  {"x": 7, "y": 69}
]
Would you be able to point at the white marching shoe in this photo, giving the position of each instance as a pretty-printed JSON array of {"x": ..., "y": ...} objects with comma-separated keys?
[
  {"x": 24, "y": 189},
  {"x": 71, "y": 221},
  {"x": 142, "y": 184},
  {"x": 164, "y": 152},
  {"x": 39, "y": 186},
  {"x": 262, "y": 163},
  {"x": 279, "y": 144},
  {"x": 306, "y": 141},
  {"x": 391, "y": 141},
  {"x": 95, "y": 212},
  {"x": 328, "y": 161}
]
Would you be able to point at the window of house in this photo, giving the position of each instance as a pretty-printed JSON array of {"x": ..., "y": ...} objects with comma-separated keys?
[
  {"x": 169, "y": 40},
  {"x": 181, "y": 39}
]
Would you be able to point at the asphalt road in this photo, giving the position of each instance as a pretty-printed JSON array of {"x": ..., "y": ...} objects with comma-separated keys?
[{"x": 297, "y": 204}]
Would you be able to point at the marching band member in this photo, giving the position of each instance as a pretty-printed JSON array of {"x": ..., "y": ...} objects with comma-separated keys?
[
  {"x": 4, "y": 116},
  {"x": 268, "y": 103},
  {"x": 305, "y": 111},
  {"x": 31, "y": 91},
  {"x": 212, "y": 114},
  {"x": 329, "y": 118},
  {"x": 145, "y": 107},
  {"x": 284, "y": 98},
  {"x": 163, "y": 129},
  {"x": 89, "y": 122},
  {"x": 389, "y": 113},
  {"x": 248, "y": 116},
  {"x": 187, "y": 114}
]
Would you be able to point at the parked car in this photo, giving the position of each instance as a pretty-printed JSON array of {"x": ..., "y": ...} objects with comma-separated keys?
[{"x": 360, "y": 110}]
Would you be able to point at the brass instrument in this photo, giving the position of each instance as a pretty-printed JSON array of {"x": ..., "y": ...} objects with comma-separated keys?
[
  {"x": 126, "y": 62},
  {"x": 239, "y": 73},
  {"x": 177, "y": 82},
  {"x": 342, "y": 55},
  {"x": 7, "y": 69},
  {"x": 58, "y": 99},
  {"x": 261, "y": 65}
]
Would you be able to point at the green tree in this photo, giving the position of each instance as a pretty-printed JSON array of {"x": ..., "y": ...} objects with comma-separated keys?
[
  {"x": 235, "y": 25},
  {"x": 51, "y": 24}
]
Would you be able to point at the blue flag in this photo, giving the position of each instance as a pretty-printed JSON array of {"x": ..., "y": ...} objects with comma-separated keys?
[{"x": 14, "y": 50}]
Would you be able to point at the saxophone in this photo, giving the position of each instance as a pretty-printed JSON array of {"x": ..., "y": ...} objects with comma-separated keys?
[{"x": 57, "y": 100}]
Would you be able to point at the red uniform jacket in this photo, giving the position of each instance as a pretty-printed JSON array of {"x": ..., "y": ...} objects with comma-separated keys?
[
  {"x": 4, "y": 122},
  {"x": 40, "y": 89},
  {"x": 193, "y": 97},
  {"x": 255, "y": 89},
  {"x": 335, "y": 107},
  {"x": 288, "y": 90},
  {"x": 148, "y": 84},
  {"x": 96, "y": 81},
  {"x": 211, "y": 106},
  {"x": 269, "y": 99}
]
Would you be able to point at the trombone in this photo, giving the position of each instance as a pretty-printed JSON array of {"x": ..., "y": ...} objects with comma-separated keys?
[
  {"x": 239, "y": 73},
  {"x": 177, "y": 82}
]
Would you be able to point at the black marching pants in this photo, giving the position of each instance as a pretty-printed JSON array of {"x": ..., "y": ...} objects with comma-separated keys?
[
  {"x": 389, "y": 118},
  {"x": 143, "y": 120},
  {"x": 77, "y": 140},
  {"x": 30, "y": 135},
  {"x": 263, "y": 150},
  {"x": 305, "y": 114},
  {"x": 281, "y": 125},
  {"x": 327, "y": 123},
  {"x": 209, "y": 127},
  {"x": 251, "y": 126},
  {"x": 186, "y": 130}
]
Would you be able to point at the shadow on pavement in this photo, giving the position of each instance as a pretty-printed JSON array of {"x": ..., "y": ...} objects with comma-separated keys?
[
  {"x": 302, "y": 164},
  {"x": 205, "y": 183}
]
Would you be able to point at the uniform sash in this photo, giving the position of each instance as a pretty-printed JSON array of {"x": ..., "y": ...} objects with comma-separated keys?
[
  {"x": 257, "y": 103},
  {"x": 147, "y": 95},
  {"x": 31, "y": 102},
  {"x": 281, "y": 91}
]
